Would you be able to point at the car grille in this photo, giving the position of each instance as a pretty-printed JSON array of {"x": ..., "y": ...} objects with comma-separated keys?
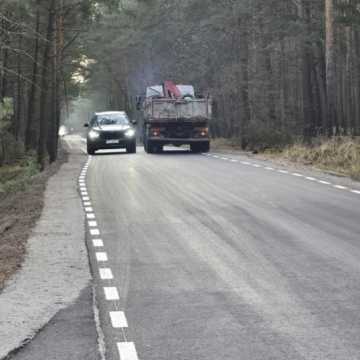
[{"x": 110, "y": 135}]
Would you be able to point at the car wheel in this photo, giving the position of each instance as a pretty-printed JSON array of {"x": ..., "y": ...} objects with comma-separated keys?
[
  {"x": 131, "y": 148},
  {"x": 91, "y": 150}
]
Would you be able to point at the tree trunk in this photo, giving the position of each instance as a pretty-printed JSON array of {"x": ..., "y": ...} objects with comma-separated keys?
[
  {"x": 331, "y": 83},
  {"x": 30, "y": 134},
  {"x": 44, "y": 99}
]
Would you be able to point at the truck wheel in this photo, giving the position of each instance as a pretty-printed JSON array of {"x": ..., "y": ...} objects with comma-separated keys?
[
  {"x": 131, "y": 148},
  {"x": 195, "y": 148},
  {"x": 90, "y": 150},
  {"x": 205, "y": 147},
  {"x": 149, "y": 147}
]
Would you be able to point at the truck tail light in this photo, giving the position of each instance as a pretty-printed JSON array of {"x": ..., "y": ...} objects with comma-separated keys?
[
  {"x": 155, "y": 131},
  {"x": 204, "y": 131}
]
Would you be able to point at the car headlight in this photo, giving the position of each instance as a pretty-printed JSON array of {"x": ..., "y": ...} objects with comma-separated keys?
[
  {"x": 130, "y": 133},
  {"x": 93, "y": 135}
]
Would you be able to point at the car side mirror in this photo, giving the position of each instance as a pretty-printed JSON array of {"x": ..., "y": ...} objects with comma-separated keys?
[{"x": 86, "y": 125}]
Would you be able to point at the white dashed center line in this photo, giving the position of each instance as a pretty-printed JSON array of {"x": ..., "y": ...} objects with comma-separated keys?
[
  {"x": 310, "y": 178},
  {"x": 283, "y": 172},
  {"x": 90, "y": 216},
  {"x": 324, "y": 182},
  {"x": 94, "y": 232},
  {"x": 92, "y": 223},
  {"x": 101, "y": 256},
  {"x": 118, "y": 319},
  {"x": 297, "y": 174},
  {"x": 127, "y": 351},
  {"x": 89, "y": 209},
  {"x": 98, "y": 243},
  {"x": 355, "y": 192},
  {"x": 111, "y": 293},
  {"x": 106, "y": 274},
  {"x": 340, "y": 187}
]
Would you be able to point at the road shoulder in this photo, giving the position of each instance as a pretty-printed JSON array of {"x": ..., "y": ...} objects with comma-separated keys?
[{"x": 56, "y": 266}]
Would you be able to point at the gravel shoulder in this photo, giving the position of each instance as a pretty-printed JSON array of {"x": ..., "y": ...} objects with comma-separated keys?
[
  {"x": 19, "y": 212},
  {"x": 55, "y": 267}
]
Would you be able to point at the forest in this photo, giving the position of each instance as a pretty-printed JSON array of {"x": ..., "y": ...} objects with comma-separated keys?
[{"x": 278, "y": 71}]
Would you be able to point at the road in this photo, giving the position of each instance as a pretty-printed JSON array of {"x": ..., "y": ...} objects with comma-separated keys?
[{"x": 222, "y": 257}]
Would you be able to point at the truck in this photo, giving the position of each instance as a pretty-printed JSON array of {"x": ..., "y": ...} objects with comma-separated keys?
[{"x": 175, "y": 115}]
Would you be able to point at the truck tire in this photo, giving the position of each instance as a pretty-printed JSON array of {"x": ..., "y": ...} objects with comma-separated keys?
[
  {"x": 200, "y": 148},
  {"x": 131, "y": 148},
  {"x": 149, "y": 147},
  {"x": 205, "y": 147},
  {"x": 195, "y": 148}
]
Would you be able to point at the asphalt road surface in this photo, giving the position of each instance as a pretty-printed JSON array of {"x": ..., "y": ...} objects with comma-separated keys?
[{"x": 221, "y": 257}]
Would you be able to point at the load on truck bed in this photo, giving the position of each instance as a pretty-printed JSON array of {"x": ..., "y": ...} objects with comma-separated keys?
[{"x": 174, "y": 115}]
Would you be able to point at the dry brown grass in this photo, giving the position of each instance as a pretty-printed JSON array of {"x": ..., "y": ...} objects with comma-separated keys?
[
  {"x": 340, "y": 155},
  {"x": 229, "y": 144}
]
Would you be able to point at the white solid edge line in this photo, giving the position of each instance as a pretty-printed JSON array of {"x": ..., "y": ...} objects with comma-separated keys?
[
  {"x": 127, "y": 351},
  {"x": 111, "y": 293},
  {"x": 340, "y": 187},
  {"x": 94, "y": 232},
  {"x": 98, "y": 243},
  {"x": 118, "y": 319},
  {"x": 101, "y": 256},
  {"x": 106, "y": 274},
  {"x": 92, "y": 223}
]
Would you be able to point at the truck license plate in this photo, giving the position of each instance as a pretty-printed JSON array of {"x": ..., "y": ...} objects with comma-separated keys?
[{"x": 112, "y": 141}]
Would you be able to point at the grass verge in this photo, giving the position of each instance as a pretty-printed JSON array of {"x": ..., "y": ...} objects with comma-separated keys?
[{"x": 339, "y": 155}]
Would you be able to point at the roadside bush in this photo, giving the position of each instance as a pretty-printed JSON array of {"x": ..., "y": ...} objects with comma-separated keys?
[{"x": 262, "y": 137}]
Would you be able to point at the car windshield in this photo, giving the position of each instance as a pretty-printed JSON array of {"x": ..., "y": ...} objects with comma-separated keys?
[{"x": 112, "y": 119}]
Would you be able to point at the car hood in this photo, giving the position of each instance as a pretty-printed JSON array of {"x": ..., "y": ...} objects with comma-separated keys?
[{"x": 112, "y": 128}]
